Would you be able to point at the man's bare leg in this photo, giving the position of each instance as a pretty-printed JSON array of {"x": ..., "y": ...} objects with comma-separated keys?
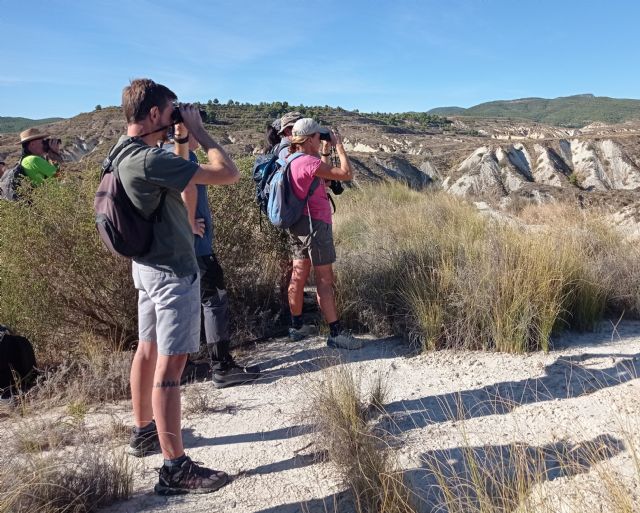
[
  {"x": 141, "y": 378},
  {"x": 165, "y": 399}
]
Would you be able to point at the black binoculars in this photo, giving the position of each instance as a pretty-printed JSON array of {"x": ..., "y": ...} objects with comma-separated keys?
[
  {"x": 46, "y": 143},
  {"x": 325, "y": 136},
  {"x": 176, "y": 115},
  {"x": 336, "y": 187}
]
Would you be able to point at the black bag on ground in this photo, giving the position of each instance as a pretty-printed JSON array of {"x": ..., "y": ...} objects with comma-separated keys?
[
  {"x": 121, "y": 226},
  {"x": 10, "y": 181},
  {"x": 17, "y": 363}
]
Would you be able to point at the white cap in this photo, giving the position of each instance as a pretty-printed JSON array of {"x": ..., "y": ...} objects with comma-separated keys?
[{"x": 307, "y": 126}]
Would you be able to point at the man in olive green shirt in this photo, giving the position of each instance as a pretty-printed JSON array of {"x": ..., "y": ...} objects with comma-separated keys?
[
  {"x": 167, "y": 276},
  {"x": 40, "y": 155}
]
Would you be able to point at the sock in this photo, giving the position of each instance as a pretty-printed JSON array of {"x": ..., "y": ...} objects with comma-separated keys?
[
  {"x": 175, "y": 462},
  {"x": 146, "y": 429},
  {"x": 334, "y": 328},
  {"x": 296, "y": 321}
]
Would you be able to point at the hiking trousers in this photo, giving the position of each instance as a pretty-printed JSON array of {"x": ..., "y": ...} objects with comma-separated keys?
[{"x": 215, "y": 306}]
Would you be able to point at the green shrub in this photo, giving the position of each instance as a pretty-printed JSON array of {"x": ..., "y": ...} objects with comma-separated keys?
[
  {"x": 58, "y": 283},
  {"x": 57, "y": 280}
]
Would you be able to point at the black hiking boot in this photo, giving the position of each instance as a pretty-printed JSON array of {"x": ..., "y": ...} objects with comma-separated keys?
[
  {"x": 142, "y": 444},
  {"x": 190, "y": 477},
  {"x": 229, "y": 373}
]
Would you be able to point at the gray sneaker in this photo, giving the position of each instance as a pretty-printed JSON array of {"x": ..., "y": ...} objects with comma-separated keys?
[
  {"x": 345, "y": 340},
  {"x": 307, "y": 330}
]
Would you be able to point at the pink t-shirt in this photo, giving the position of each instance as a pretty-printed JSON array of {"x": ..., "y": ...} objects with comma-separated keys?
[{"x": 303, "y": 171}]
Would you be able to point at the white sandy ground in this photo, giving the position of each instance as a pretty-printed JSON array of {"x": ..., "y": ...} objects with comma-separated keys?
[{"x": 584, "y": 390}]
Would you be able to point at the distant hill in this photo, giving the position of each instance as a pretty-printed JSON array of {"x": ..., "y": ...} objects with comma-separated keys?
[
  {"x": 9, "y": 125},
  {"x": 572, "y": 111}
]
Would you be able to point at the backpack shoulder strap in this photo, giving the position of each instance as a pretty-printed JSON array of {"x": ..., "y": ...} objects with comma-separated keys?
[
  {"x": 113, "y": 153},
  {"x": 280, "y": 146},
  {"x": 117, "y": 153},
  {"x": 316, "y": 181}
]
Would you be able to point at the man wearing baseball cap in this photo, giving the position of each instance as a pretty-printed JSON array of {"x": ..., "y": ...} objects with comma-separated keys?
[
  {"x": 40, "y": 155},
  {"x": 286, "y": 125}
]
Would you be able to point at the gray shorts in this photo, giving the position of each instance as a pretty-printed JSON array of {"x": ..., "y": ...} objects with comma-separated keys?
[
  {"x": 168, "y": 309},
  {"x": 319, "y": 246}
]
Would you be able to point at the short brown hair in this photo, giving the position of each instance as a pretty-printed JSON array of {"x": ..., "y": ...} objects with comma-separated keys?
[{"x": 141, "y": 95}]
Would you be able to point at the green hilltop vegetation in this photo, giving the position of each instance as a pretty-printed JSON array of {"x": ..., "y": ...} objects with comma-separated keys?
[
  {"x": 247, "y": 115},
  {"x": 9, "y": 125},
  {"x": 572, "y": 111}
]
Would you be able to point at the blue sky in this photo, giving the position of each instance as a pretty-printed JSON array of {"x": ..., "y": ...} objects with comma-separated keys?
[{"x": 63, "y": 57}]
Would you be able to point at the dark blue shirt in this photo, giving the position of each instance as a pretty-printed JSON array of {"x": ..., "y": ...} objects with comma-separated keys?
[{"x": 203, "y": 245}]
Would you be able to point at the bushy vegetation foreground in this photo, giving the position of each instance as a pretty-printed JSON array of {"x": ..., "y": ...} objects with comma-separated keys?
[
  {"x": 58, "y": 284},
  {"x": 423, "y": 265}
]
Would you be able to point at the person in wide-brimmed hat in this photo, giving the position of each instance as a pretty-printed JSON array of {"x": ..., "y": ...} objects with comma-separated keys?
[{"x": 40, "y": 155}]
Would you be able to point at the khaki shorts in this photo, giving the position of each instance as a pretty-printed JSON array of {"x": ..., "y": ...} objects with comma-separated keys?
[
  {"x": 318, "y": 246},
  {"x": 168, "y": 309}
]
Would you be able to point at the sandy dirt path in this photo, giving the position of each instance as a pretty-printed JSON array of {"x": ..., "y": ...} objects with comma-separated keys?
[{"x": 585, "y": 390}]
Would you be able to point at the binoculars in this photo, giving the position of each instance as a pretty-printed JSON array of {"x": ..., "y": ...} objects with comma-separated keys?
[
  {"x": 176, "y": 115},
  {"x": 46, "y": 143}
]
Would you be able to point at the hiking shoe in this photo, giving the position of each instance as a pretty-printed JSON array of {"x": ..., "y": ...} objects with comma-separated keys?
[
  {"x": 307, "y": 330},
  {"x": 345, "y": 340},
  {"x": 227, "y": 375},
  {"x": 189, "y": 477},
  {"x": 141, "y": 444},
  {"x": 218, "y": 365}
]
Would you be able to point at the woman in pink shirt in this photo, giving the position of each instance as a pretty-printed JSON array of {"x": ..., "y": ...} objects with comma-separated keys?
[{"x": 313, "y": 245}]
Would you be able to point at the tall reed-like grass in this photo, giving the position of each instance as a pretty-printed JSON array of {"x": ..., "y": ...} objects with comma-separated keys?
[
  {"x": 473, "y": 477},
  {"x": 361, "y": 456},
  {"x": 431, "y": 267}
]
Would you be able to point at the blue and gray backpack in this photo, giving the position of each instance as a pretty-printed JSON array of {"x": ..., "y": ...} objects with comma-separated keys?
[{"x": 274, "y": 194}]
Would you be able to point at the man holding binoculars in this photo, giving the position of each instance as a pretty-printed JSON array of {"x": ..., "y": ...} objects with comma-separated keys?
[
  {"x": 167, "y": 277},
  {"x": 40, "y": 155}
]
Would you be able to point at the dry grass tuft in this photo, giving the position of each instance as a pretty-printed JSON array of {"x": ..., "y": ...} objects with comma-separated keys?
[
  {"x": 362, "y": 457},
  {"x": 92, "y": 376},
  {"x": 499, "y": 479},
  {"x": 198, "y": 400},
  {"x": 79, "y": 481}
]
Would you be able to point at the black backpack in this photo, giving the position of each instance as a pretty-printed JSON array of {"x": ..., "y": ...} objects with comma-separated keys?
[
  {"x": 121, "y": 226},
  {"x": 17, "y": 363},
  {"x": 10, "y": 181}
]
